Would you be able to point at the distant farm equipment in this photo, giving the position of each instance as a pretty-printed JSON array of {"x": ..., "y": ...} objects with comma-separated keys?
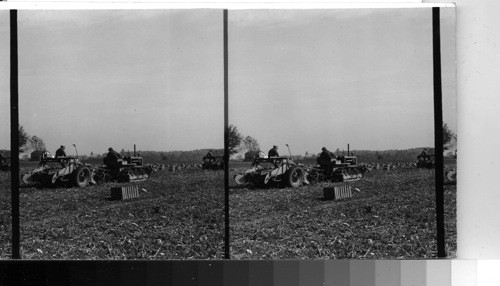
[
  {"x": 426, "y": 161},
  {"x": 213, "y": 163}
]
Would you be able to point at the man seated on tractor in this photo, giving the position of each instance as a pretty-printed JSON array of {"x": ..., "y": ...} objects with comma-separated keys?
[
  {"x": 273, "y": 153},
  {"x": 325, "y": 160},
  {"x": 423, "y": 156},
  {"x": 60, "y": 153},
  {"x": 111, "y": 161},
  {"x": 209, "y": 157}
]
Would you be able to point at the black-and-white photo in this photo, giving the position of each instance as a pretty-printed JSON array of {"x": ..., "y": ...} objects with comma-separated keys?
[
  {"x": 121, "y": 131},
  {"x": 331, "y": 134},
  {"x": 5, "y": 156},
  {"x": 332, "y": 128}
]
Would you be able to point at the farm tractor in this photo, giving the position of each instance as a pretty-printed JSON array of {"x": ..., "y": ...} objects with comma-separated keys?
[
  {"x": 213, "y": 163},
  {"x": 62, "y": 170},
  {"x": 127, "y": 169},
  {"x": 69, "y": 171},
  {"x": 425, "y": 161},
  {"x": 264, "y": 171},
  {"x": 339, "y": 169}
]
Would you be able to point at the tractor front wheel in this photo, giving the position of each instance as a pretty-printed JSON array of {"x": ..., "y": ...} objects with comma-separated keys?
[
  {"x": 295, "y": 176},
  {"x": 81, "y": 177}
]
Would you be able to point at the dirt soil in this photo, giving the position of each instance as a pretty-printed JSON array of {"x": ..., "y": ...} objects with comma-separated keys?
[
  {"x": 178, "y": 215},
  {"x": 391, "y": 214}
]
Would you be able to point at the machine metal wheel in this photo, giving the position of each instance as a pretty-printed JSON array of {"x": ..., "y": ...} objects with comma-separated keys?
[
  {"x": 295, "y": 176},
  {"x": 81, "y": 177},
  {"x": 26, "y": 179}
]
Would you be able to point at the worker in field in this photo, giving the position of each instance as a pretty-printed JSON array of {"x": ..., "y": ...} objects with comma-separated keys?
[
  {"x": 61, "y": 153},
  {"x": 111, "y": 160},
  {"x": 273, "y": 152},
  {"x": 209, "y": 157},
  {"x": 423, "y": 156},
  {"x": 325, "y": 159}
]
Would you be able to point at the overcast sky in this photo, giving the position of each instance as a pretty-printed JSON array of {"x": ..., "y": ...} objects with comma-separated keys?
[
  {"x": 117, "y": 78},
  {"x": 332, "y": 77},
  {"x": 4, "y": 80},
  {"x": 307, "y": 78}
]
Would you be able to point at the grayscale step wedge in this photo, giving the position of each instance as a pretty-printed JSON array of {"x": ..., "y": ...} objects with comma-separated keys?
[
  {"x": 125, "y": 193},
  {"x": 337, "y": 192}
]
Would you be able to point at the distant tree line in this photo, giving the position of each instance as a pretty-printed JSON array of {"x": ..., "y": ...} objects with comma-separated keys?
[{"x": 238, "y": 142}]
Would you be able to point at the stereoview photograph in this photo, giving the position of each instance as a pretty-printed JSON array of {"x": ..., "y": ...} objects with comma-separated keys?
[
  {"x": 121, "y": 129},
  {"x": 332, "y": 129}
]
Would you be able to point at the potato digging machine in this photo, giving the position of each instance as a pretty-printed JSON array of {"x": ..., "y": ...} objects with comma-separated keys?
[
  {"x": 69, "y": 171},
  {"x": 283, "y": 170}
]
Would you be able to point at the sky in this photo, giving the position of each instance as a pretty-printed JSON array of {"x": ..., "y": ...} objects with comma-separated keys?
[
  {"x": 115, "y": 78},
  {"x": 154, "y": 78},
  {"x": 328, "y": 78},
  {"x": 4, "y": 80}
]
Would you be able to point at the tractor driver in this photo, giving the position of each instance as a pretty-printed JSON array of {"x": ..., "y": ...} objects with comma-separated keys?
[
  {"x": 273, "y": 153},
  {"x": 423, "y": 155},
  {"x": 325, "y": 159},
  {"x": 111, "y": 160},
  {"x": 209, "y": 157},
  {"x": 60, "y": 153}
]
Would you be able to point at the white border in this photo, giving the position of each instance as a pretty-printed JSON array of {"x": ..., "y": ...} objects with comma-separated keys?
[{"x": 208, "y": 5}]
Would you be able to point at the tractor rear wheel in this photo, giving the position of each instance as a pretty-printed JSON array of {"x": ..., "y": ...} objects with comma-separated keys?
[
  {"x": 295, "y": 176},
  {"x": 81, "y": 177}
]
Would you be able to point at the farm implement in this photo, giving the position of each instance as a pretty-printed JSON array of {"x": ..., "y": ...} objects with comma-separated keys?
[
  {"x": 213, "y": 163},
  {"x": 265, "y": 171},
  {"x": 282, "y": 170},
  {"x": 69, "y": 171},
  {"x": 426, "y": 161},
  {"x": 62, "y": 170}
]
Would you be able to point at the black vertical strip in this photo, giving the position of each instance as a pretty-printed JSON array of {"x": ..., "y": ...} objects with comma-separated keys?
[
  {"x": 226, "y": 141},
  {"x": 14, "y": 137},
  {"x": 438, "y": 132}
]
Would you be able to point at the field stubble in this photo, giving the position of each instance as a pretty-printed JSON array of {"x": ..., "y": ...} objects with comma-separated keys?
[
  {"x": 179, "y": 215},
  {"x": 391, "y": 215}
]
